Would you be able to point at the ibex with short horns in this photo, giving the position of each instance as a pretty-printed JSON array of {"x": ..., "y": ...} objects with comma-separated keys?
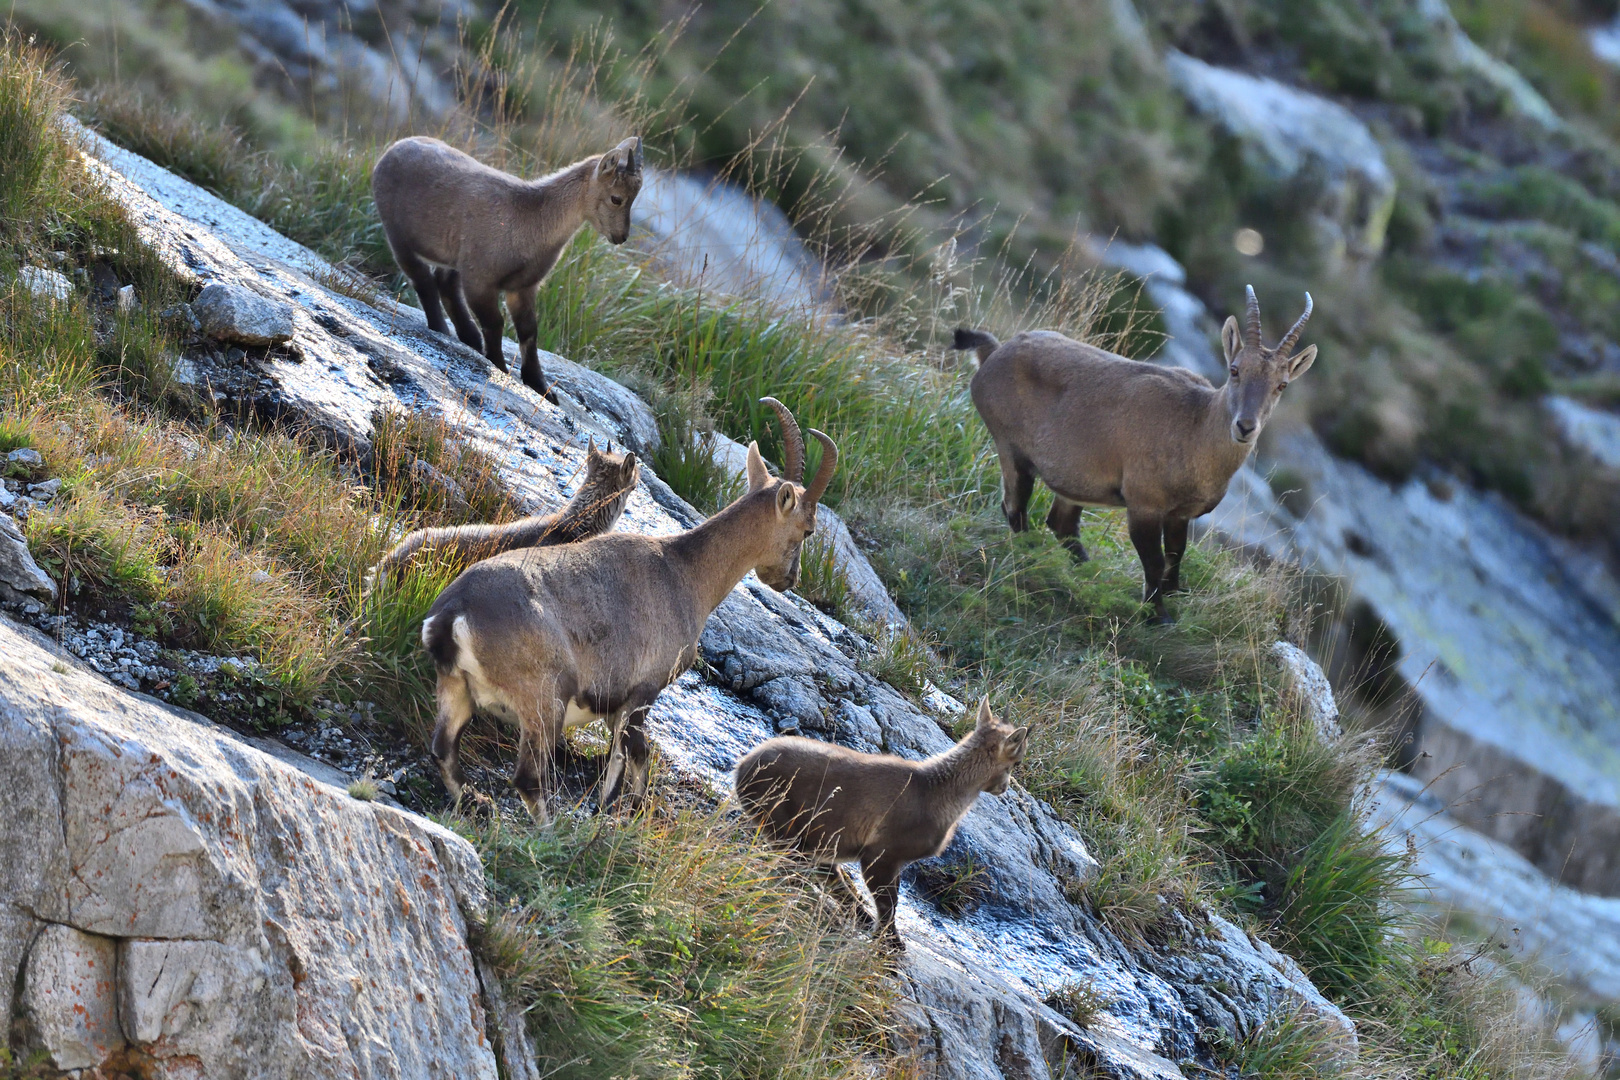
[
  {"x": 1103, "y": 430},
  {"x": 550, "y": 638},
  {"x": 469, "y": 233},
  {"x": 837, "y": 805}
]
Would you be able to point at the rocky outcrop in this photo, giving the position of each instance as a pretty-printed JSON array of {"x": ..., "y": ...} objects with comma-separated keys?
[
  {"x": 1289, "y": 136},
  {"x": 20, "y": 575},
  {"x": 978, "y": 983},
  {"x": 178, "y": 899},
  {"x": 1508, "y": 637}
]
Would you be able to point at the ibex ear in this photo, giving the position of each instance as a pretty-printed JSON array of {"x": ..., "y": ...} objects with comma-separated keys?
[
  {"x": 758, "y": 474},
  {"x": 590, "y": 447},
  {"x": 787, "y": 497},
  {"x": 629, "y": 466},
  {"x": 985, "y": 717},
  {"x": 1302, "y": 361},
  {"x": 1231, "y": 338},
  {"x": 1017, "y": 744}
]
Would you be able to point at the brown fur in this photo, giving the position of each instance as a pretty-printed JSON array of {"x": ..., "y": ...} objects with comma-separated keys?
[
  {"x": 469, "y": 233},
  {"x": 595, "y": 508},
  {"x": 837, "y": 805},
  {"x": 552, "y": 637},
  {"x": 1103, "y": 430}
]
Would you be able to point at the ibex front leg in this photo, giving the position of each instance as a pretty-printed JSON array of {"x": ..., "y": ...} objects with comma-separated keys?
[
  {"x": 538, "y": 733},
  {"x": 520, "y": 303},
  {"x": 627, "y": 761},
  {"x": 1147, "y": 536},
  {"x": 1175, "y": 546}
]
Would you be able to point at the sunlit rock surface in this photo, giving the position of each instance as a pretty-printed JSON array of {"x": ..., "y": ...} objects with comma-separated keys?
[
  {"x": 773, "y": 661},
  {"x": 174, "y": 894},
  {"x": 1507, "y": 635}
]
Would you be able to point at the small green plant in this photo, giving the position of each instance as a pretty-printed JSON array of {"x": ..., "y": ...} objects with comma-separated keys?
[
  {"x": 955, "y": 886},
  {"x": 688, "y": 458},
  {"x": 1081, "y": 1002},
  {"x": 186, "y": 691},
  {"x": 1289, "y": 1045},
  {"x": 900, "y": 657},
  {"x": 822, "y": 579},
  {"x": 363, "y": 789}
]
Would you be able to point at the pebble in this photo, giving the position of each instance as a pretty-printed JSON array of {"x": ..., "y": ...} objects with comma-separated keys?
[{"x": 25, "y": 455}]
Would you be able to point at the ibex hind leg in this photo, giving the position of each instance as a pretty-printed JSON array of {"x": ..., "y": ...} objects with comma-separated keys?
[
  {"x": 455, "y": 709},
  {"x": 486, "y": 307},
  {"x": 1017, "y": 484},
  {"x": 426, "y": 286},
  {"x": 449, "y": 282},
  {"x": 1064, "y": 521}
]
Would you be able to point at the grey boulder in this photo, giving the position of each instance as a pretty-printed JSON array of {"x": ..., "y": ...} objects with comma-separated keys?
[
  {"x": 233, "y": 313},
  {"x": 20, "y": 575}
]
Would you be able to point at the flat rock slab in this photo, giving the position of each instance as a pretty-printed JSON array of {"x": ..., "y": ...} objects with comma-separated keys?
[
  {"x": 247, "y": 920},
  {"x": 233, "y": 313}
]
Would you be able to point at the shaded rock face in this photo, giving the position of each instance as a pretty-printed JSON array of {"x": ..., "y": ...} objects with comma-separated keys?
[
  {"x": 977, "y": 983},
  {"x": 1187, "y": 322},
  {"x": 1291, "y": 136},
  {"x": 182, "y": 899},
  {"x": 1509, "y": 638}
]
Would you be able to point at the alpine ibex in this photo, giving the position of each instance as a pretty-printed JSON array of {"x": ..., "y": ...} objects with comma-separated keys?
[
  {"x": 1103, "y": 430},
  {"x": 463, "y": 230},
  {"x": 594, "y": 509},
  {"x": 838, "y": 805},
  {"x": 550, "y": 638}
]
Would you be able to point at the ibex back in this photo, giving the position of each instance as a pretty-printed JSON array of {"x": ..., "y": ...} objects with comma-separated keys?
[
  {"x": 469, "y": 233},
  {"x": 1103, "y": 430},
  {"x": 549, "y": 638}
]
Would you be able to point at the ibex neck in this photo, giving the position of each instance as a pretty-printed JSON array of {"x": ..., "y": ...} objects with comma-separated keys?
[
  {"x": 719, "y": 552},
  {"x": 960, "y": 771},
  {"x": 561, "y": 195}
]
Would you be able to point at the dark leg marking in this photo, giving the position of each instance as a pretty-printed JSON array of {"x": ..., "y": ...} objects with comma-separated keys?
[{"x": 1175, "y": 546}]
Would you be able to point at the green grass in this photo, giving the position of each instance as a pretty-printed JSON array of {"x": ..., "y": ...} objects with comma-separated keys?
[{"x": 670, "y": 945}]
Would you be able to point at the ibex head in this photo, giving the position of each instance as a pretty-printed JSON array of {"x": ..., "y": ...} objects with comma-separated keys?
[
  {"x": 795, "y": 502},
  {"x": 614, "y": 186},
  {"x": 1003, "y": 745},
  {"x": 1256, "y": 374}
]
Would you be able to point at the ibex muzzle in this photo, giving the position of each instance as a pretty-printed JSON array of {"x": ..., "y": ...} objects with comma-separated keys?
[{"x": 1102, "y": 430}]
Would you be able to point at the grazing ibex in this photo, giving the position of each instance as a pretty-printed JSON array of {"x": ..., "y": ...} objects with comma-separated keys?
[
  {"x": 463, "y": 230},
  {"x": 549, "y": 638},
  {"x": 838, "y": 805},
  {"x": 594, "y": 509},
  {"x": 1103, "y": 430}
]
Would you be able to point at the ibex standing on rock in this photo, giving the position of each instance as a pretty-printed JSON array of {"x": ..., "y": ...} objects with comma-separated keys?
[
  {"x": 594, "y": 509},
  {"x": 838, "y": 805},
  {"x": 1103, "y": 430},
  {"x": 549, "y": 638},
  {"x": 463, "y": 230}
]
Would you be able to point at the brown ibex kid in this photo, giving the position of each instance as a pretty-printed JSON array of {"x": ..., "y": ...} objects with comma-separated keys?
[
  {"x": 595, "y": 508},
  {"x": 549, "y": 638},
  {"x": 1103, "y": 430},
  {"x": 837, "y": 805},
  {"x": 470, "y": 233}
]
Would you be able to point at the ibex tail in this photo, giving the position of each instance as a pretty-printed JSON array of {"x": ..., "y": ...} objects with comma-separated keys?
[{"x": 980, "y": 341}]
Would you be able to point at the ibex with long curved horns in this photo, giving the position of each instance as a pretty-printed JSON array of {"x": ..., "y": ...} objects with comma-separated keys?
[
  {"x": 1103, "y": 430},
  {"x": 549, "y": 638}
]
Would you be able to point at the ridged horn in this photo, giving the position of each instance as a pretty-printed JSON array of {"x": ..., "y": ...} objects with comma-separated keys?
[
  {"x": 792, "y": 442},
  {"x": 1286, "y": 345},
  {"x": 1251, "y": 319},
  {"x": 824, "y": 471}
]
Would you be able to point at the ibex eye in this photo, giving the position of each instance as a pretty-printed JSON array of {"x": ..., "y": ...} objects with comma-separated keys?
[
  {"x": 1233, "y": 370},
  {"x": 618, "y": 200}
]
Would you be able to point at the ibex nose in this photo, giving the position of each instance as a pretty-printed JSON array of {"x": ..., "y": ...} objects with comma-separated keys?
[{"x": 1244, "y": 429}]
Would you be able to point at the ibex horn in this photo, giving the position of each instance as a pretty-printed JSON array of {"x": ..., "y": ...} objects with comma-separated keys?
[
  {"x": 1251, "y": 319},
  {"x": 1286, "y": 345},
  {"x": 824, "y": 471},
  {"x": 792, "y": 442}
]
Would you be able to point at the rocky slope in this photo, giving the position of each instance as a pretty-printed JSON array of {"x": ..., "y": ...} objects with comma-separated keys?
[{"x": 976, "y": 985}]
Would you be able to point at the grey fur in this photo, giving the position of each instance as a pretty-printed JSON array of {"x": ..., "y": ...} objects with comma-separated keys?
[
  {"x": 1103, "y": 430},
  {"x": 467, "y": 232},
  {"x": 837, "y": 805},
  {"x": 554, "y": 636},
  {"x": 594, "y": 509}
]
